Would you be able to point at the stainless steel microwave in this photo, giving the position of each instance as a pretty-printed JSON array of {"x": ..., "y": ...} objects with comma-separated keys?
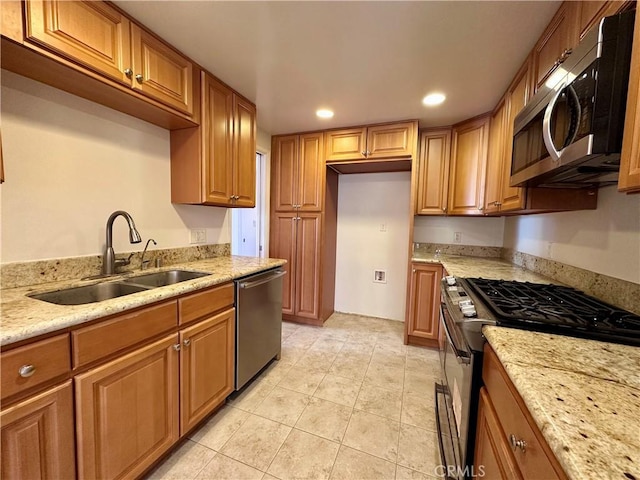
[{"x": 570, "y": 133}]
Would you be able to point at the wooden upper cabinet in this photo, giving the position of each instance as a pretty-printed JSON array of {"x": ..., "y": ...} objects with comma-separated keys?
[
  {"x": 424, "y": 302},
  {"x": 297, "y": 172},
  {"x": 91, "y": 33},
  {"x": 391, "y": 141},
  {"x": 553, "y": 47},
  {"x": 468, "y": 166},
  {"x": 629, "y": 179},
  {"x": 207, "y": 357},
  {"x": 347, "y": 144},
  {"x": 244, "y": 153},
  {"x": 97, "y": 36},
  {"x": 160, "y": 72},
  {"x": 589, "y": 13},
  {"x": 388, "y": 141},
  {"x": 217, "y": 125},
  {"x": 433, "y": 172},
  {"x": 37, "y": 437},
  {"x": 496, "y": 158}
]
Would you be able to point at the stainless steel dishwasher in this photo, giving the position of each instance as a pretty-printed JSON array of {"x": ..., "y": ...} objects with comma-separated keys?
[{"x": 258, "y": 323}]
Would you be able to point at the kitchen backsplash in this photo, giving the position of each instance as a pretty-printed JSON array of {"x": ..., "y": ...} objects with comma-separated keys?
[
  {"x": 21, "y": 274},
  {"x": 612, "y": 290},
  {"x": 449, "y": 249}
]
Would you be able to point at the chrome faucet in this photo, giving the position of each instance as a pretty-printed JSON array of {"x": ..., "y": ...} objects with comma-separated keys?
[{"x": 109, "y": 262}]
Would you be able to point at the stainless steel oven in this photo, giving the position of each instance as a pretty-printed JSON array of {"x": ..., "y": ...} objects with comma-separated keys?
[{"x": 457, "y": 394}]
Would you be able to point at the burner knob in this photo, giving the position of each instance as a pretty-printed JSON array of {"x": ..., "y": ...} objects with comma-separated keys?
[
  {"x": 451, "y": 280},
  {"x": 469, "y": 311}
]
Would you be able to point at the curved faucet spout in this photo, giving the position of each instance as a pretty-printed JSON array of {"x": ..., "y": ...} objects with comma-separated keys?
[{"x": 109, "y": 258}]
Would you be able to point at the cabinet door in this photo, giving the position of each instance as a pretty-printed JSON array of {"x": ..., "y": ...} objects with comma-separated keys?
[
  {"x": 514, "y": 198},
  {"x": 591, "y": 12},
  {"x": 311, "y": 172},
  {"x": 91, "y": 33},
  {"x": 561, "y": 35},
  {"x": 37, "y": 436},
  {"x": 629, "y": 180},
  {"x": 492, "y": 453},
  {"x": 424, "y": 301},
  {"x": 347, "y": 144},
  {"x": 160, "y": 72},
  {"x": 207, "y": 359},
  {"x": 307, "y": 278},
  {"x": 217, "y": 124},
  {"x": 283, "y": 245},
  {"x": 391, "y": 141},
  {"x": 284, "y": 172},
  {"x": 468, "y": 165},
  {"x": 140, "y": 388},
  {"x": 433, "y": 172},
  {"x": 244, "y": 152},
  {"x": 496, "y": 159}
]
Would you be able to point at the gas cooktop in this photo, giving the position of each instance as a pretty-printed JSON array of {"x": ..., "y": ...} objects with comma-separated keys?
[{"x": 556, "y": 309}]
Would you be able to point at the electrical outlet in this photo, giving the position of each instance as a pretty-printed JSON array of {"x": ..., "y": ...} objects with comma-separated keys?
[
  {"x": 457, "y": 237},
  {"x": 383, "y": 227},
  {"x": 379, "y": 276},
  {"x": 198, "y": 235}
]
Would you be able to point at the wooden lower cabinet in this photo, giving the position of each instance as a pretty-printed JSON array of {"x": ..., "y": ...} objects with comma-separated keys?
[
  {"x": 509, "y": 444},
  {"x": 37, "y": 437},
  {"x": 422, "y": 325},
  {"x": 207, "y": 358},
  {"x": 493, "y": 458},
  {"x": 127, "y": 411}
]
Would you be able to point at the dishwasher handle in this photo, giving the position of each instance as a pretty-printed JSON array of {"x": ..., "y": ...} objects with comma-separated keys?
[{"x": 273, "y": 276}]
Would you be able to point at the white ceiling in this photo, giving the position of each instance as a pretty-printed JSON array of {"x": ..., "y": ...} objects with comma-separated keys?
[{"x": 368, "y": 61}]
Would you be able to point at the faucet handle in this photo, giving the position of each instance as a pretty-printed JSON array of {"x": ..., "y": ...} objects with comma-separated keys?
[{"x": 121, "y": 262}]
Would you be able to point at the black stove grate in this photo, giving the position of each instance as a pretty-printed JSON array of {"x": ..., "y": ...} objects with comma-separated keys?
[{"x": 555, "y": 308}]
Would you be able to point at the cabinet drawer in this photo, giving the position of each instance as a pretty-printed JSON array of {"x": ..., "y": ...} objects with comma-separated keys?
[
  {"x": 50, "y": 359},
  {"x": 534, "y": 462},
  {"x": 102, "y": 339},
  {"x": 204, "y": 303}
]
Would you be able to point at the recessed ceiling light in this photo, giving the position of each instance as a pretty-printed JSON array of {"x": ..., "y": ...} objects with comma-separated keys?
[
  {"x": 324, "y": 113},
  {"x": 434, "y": 99}
]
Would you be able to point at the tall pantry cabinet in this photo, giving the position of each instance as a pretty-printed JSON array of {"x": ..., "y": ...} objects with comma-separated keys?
[{"x": 304, "y": 201}]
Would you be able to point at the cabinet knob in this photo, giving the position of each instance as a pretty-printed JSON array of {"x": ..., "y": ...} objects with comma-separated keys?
[
  {"x": 176, "y": 347},
  {"x": 368, "y": 153},
  {"x": 186, "y": 342},
  {"x": 480, "y": 207},
  {"x": 364, "y": 153},
  {"x": 128, "y": 72},
  {"x": 139, "y": 78},
  {"x": 444, "y": 209},
  {"x": 515, "y": 443},
  {"x": 26, "y": 371},
  {"x": 413, "y": 270}
]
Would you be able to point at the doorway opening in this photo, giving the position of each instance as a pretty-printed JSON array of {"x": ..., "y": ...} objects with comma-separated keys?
[{"x": 248, "y": 224}]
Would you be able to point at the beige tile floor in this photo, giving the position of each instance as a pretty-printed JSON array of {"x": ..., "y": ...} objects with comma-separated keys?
[{"x": 346, "y": 401}]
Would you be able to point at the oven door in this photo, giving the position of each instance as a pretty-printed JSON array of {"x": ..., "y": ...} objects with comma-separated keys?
[{"x": 453, "y": 397}]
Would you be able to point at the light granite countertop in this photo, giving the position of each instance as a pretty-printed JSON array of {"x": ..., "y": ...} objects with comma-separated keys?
[
  {"x": 584, "y": 395},
  {"x": 485, "y": 267},
  {"x": 23, "y": 317}
]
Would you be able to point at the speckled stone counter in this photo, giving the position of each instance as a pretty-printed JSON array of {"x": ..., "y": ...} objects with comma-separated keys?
[
  {"x": 24, "y": 317},
  {"x": 494, "y": 268},
  {"x": 584, "y": 396}
]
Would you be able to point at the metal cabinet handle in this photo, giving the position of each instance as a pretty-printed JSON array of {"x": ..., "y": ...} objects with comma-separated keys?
[
  {"x": 139, "y": 78},
  {"x": 368, "y": 153},
  {"x": 364, "y": 153},
  {"x": 128, "y": 72},
  {"x": 186, "y": 342},
  {"x": 515, "y": 443},
  {"x": 26, "y": 371},
  {"x": 176, "y": 347}
]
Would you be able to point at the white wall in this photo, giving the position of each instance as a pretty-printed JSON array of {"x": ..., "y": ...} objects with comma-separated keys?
[
  {"x": 365, "y": 201},
  {"x": 606, "y": 240},
  {"x": 69, "y": 163},
  {"x": 484, "y": 231}
]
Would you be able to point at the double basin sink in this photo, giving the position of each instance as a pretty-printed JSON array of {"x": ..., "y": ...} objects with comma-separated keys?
[{"x": 109, "y": 290}]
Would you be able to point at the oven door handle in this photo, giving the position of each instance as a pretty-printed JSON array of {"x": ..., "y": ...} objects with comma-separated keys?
[
  {"x": 461, "y": 355},
  {"x": 441, "y": 390}
]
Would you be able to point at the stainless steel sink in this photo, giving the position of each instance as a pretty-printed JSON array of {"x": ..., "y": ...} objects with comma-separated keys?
[
  {"x": 162, "y": 279},
  {"x": 89, "y": 294}
]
